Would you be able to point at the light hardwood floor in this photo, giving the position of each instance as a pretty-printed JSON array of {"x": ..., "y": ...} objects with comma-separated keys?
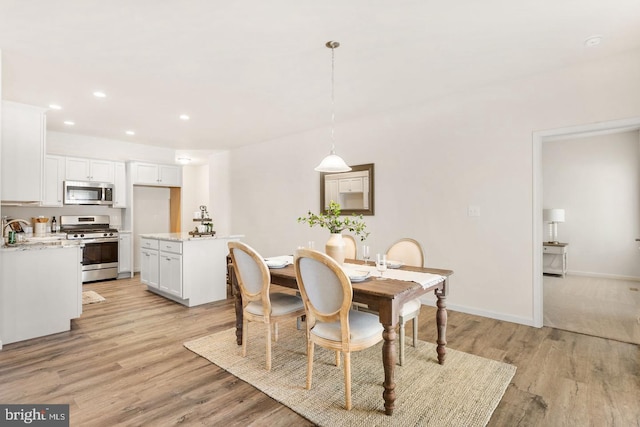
[
  {"x": 123, "y": 363},
  {"x": 606, "y": 308}
]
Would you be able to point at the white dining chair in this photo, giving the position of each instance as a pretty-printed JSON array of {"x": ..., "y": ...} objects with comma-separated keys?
[
  {"x": 409, "y": 252},
  {"x": 350, "y": 247},
  {"x": 258, "y": 303},
  {"x": 327, "y": 295}
]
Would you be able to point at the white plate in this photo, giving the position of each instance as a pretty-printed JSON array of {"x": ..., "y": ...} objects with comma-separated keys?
[
  {"x": 276, "y": 263},
  {"x": 358, "y": 275},
  {"x": 394, "y": 264}
]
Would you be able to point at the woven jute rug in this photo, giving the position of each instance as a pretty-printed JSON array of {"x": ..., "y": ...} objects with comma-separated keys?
[
  {"x": 90, "y": 297},
  {"x": 463, "y": 392}
]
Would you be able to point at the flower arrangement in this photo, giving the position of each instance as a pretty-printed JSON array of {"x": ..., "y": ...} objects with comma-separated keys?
[{"x": 332, "y": 221}]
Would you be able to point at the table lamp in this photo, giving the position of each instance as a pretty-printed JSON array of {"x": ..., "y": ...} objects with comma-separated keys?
[{"x": 553, "y": 217}]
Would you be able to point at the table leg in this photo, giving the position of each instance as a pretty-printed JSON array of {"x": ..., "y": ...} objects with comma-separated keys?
[
  {"x": 389, "y": 363},
  {"x": 441, "y": 322}
]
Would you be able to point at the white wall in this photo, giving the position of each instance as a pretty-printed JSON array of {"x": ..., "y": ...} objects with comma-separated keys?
[
  {"x": 597, "y": 181},
  {"x": 220, "y": 194},
  {"x": 195, "y": 192},
  {"x": 432, "y": 162},
  {"x": 150, "y": 215}
]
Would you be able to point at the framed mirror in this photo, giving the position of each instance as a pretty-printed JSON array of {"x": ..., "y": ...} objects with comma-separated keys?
[{"x": 354, "y": 190}]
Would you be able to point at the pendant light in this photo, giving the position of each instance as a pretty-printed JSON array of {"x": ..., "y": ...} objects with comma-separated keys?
[{"x": 332, "y": 163}]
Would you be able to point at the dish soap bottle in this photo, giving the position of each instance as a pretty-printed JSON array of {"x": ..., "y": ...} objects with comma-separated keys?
[{"x": 54, "y": 225}]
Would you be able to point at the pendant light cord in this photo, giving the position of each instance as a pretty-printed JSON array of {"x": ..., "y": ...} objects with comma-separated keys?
[{"x": 333, "y": 103}]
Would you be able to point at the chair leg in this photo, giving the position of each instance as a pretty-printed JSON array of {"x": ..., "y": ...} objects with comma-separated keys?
[
  {"x": 275, "y": 332},
  {"x": 309, "y": 363},
  {"x": 245, "y": 332},
  {"x": 347, "y": 379},
  {"x": 268, "y": 347},
  {"x": 415, "y": 331},
  {"x": 401, "y": 343},
  {"x": 338, "y": 359}
]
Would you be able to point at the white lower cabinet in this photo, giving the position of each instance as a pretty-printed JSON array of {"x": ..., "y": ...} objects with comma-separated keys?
[
  {"x": 124, "y": 253},
  {"x": 40, "y": 291},
  {"x": 185, "y": 269},
  {"x": 171, "y": 268}
]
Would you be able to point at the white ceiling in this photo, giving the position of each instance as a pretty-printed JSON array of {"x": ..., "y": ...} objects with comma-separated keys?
[{"x": 248, "y": 71}]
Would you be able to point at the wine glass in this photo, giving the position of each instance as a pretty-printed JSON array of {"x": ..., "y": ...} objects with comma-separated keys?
[
  {"x": 365, "y": 253},
  {"x": 381, "y": 264}
]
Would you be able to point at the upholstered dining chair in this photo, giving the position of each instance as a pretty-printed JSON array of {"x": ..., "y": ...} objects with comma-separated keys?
[
  {"x": 327, "y": 295},
  {"x": 409, "y": 252},
  {"x": 350, "y": 247},
  {"x": 258, "y": 304}
]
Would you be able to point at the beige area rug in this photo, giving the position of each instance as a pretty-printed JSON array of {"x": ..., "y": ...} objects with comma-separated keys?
[
  {"x": 91, "y": 297},
  {"x": 463, "y": 392}
]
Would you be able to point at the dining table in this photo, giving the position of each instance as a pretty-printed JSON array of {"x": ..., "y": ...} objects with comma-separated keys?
[{"x": 386, "y": 296}]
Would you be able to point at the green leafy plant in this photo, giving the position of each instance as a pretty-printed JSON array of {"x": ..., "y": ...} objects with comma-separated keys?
[{"x": 336, "y": 224}]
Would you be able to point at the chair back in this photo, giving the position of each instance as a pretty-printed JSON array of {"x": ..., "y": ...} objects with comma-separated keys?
[
  {"x": 252, "y": 274},
  {"x": 407, "y": 251},
  {"x": 350, "y": 247},
  {"x": 325, "y": 287}
]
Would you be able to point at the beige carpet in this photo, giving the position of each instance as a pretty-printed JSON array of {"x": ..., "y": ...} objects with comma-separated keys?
[
  {"x": 90, "y": 297},
  {"x": 606, "y": 308},
  {"x": 463, "y": 392}
]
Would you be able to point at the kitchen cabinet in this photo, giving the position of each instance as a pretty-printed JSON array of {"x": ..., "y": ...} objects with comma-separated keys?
[
  {"x": 23, "y": 151},
  {"x": 149, "y": 267},
  {"x": 189, "y": 270},
  {"x": 78, "y": 169},
  {"x": 124, "y": 254},
  {"x": 351, "y": 185},
  {"x": 40, "y": 291},
  {"x": 52, "y": 187},
  {"x": 120, "y": 185},
  {"x": 170, "y": 260},
  {"x": 156, "y": 174}
]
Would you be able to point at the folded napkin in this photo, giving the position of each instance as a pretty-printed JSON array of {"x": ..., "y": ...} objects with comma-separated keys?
[{"x": 424, "y": 279}]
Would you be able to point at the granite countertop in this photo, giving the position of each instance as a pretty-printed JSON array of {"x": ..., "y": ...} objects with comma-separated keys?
[
  {"x": 185, "y": 236},
  {"x": 40, "y": 245}
]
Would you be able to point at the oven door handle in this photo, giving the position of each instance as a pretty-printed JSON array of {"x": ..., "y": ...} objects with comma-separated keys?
[{"x": 106, "y": 240}]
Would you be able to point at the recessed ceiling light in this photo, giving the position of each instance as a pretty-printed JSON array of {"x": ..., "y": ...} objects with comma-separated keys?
[
  {"x": 184, "y": 117},
  {"x": 184, "y": 160},
  {"x": 55, "y": 107},
  {"x": 593, "y": 41},
  {"x": 130, "y": 132},
  {"x": 99, "y": 94},
  {"x": 69, "y": 122}
]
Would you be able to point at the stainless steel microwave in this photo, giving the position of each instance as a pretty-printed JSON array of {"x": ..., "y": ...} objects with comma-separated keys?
[{"x": 88, "y": 193}]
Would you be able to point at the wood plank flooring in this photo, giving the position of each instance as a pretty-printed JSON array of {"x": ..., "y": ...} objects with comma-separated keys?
[{"x": 123, "y": 363}]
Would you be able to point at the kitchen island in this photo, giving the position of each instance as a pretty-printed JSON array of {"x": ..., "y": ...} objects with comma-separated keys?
[
  {"x": 40, "y": 289},
  {"x": 186, "y": 269}
]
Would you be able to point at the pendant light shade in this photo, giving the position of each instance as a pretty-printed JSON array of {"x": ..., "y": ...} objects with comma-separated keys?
[{"x": 332, "y": 163}]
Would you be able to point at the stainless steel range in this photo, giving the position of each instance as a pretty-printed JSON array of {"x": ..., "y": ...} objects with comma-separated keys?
[{"x": 100, "y": 252}]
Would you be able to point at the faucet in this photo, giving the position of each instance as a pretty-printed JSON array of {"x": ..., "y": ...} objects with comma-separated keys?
[{"x": 6, "y": 223}]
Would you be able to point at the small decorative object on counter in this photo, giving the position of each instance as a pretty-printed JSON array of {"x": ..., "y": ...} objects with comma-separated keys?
[
  {"x": 54, "y": 225},
  {"x": 12, "y": 237},
  {"x": 206, "y": 224}
]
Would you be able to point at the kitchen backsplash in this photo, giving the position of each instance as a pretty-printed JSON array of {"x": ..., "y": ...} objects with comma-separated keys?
[{"x": 27, "y": 213}]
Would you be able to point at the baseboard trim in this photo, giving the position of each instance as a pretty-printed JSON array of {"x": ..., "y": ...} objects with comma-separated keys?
[
  {"x": 603, "y": 275},
  {"x": 484, "y": 313}
]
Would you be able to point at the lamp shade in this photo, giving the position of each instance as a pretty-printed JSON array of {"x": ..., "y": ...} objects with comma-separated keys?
[
  {"x": 332, "y": 163},
  {"x": 553, "y": 215}
]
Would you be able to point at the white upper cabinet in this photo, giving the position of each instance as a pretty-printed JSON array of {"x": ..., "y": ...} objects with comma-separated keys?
[
  {"x": 52, "y": 194},
  {"x": 155, "y": 174},
  {"x": 120, "y": 186},
  {"x": 23, "y": 148},
  {"x": 89, "y": 170}
]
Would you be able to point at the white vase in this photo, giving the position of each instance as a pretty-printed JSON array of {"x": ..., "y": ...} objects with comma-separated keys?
[{"x": 335, "y": 248}]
